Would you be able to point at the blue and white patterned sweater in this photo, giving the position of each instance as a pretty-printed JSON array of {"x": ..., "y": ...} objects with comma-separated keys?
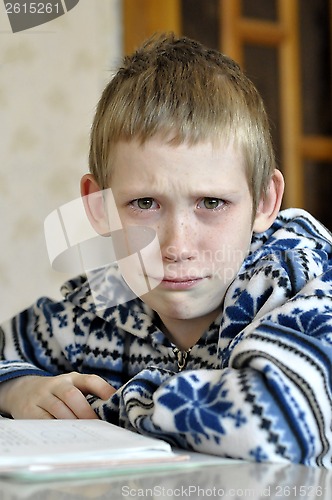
[{"x": 256, "y": 386}]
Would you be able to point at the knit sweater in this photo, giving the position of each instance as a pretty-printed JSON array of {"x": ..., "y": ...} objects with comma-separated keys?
[{"x": 256, "y": 386}]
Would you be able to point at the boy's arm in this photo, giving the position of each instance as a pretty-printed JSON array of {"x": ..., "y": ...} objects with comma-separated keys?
[
  {"x": 36, "y": 379},
  {"x": 60, "y": 397},
  {"x": 29, "y": 342},
  {"x": 272, "y": 403}
]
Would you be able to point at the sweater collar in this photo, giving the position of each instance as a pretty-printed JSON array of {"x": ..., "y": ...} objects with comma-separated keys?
[{"x": 133, "y": 316}]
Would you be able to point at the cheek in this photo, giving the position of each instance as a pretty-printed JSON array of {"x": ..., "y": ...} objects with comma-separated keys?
[
  {"x": 139, "y": 258},
  {"x": 226, "y": 246}
]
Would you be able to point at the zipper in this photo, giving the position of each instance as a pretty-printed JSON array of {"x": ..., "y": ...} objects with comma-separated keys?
[{"x": 182, "y": 357}]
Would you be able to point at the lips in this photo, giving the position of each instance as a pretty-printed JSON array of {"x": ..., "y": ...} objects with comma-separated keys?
[
  {"x": 182, "y": 279},
  {"x": 183, "y": 283}
]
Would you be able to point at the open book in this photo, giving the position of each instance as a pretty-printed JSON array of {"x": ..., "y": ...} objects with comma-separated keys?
[
  {"x": 51, "y": 449},
  {"x": 55, "y": 447}
]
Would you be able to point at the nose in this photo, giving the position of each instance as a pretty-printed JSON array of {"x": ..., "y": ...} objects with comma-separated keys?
[{"x": 177, "y": 237}]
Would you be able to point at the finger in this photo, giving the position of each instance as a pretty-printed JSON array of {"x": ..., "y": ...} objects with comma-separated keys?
[
  {"x": 71, "y": 403},
  {"x": 93, "y": 384},
  {"x": 58, "y": 407}
]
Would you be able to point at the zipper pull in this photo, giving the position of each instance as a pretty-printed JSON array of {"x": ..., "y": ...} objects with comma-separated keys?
[{"x": 182, "y": 357}]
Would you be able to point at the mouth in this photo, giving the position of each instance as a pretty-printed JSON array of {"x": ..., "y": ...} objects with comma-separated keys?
[
  {"x": 183, "y": 283},
  {"x": 181, "y": 279}
]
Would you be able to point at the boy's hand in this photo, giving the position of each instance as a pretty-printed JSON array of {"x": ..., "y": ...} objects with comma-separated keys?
[{"x": 60, "y": 397}]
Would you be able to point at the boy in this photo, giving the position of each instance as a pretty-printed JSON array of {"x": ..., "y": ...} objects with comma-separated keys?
[{"x": 229, "y": 352}]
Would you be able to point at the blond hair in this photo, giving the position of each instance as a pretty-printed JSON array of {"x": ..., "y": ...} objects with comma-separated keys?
[{"x": 176, "y": 87}]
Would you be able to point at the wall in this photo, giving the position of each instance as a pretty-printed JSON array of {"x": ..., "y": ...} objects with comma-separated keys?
[{"x": 51, "y": 77}]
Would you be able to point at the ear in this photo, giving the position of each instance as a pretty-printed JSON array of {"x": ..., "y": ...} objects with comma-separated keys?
[
  {"x": 269, "y": 204},
  {"x": 94, "y": 204}
]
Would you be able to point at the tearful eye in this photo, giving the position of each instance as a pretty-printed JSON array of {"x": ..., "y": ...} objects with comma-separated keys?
[
  {"x": 144, "y": 203},
  {"x": 211, "y": 203}
]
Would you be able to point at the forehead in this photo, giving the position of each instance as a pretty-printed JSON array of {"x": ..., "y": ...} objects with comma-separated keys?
[
  {"x": 164, "y": 157},
  {"x": 158, "y": 168}
]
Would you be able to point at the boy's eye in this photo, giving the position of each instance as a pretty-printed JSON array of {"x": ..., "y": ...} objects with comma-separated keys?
[
  {"x": 144, "y": 203},
  {"x": 211, "y": 203}
]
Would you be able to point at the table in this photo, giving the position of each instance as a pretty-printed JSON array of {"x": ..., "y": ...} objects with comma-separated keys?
[{"x": 234, "y": 480}]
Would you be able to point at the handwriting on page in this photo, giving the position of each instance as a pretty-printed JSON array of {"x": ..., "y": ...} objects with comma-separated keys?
[{"x": 41, "y": 434}]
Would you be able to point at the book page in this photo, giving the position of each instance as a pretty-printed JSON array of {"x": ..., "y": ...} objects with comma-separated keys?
[
  {"x": 50, "y": 450},
  {"x": 26, "y": 442}
]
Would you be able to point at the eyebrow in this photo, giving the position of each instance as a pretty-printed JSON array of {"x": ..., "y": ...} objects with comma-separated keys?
[{"x": 152, "y": 192}]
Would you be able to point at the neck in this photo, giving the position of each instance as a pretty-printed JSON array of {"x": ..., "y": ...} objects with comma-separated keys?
[{"x": 185, "y": 333}]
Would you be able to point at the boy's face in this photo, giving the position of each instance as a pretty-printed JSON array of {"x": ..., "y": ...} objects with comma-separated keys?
[{"x": 197, "y": 200}]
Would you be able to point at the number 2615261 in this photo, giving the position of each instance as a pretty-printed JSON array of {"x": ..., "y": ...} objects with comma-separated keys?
[{"x": 33, "y": 8}]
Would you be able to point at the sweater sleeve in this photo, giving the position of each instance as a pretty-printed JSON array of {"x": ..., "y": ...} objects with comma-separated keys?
[
  {"x": 36, "y": 340},
  {"x": 273, "y": 402}
]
